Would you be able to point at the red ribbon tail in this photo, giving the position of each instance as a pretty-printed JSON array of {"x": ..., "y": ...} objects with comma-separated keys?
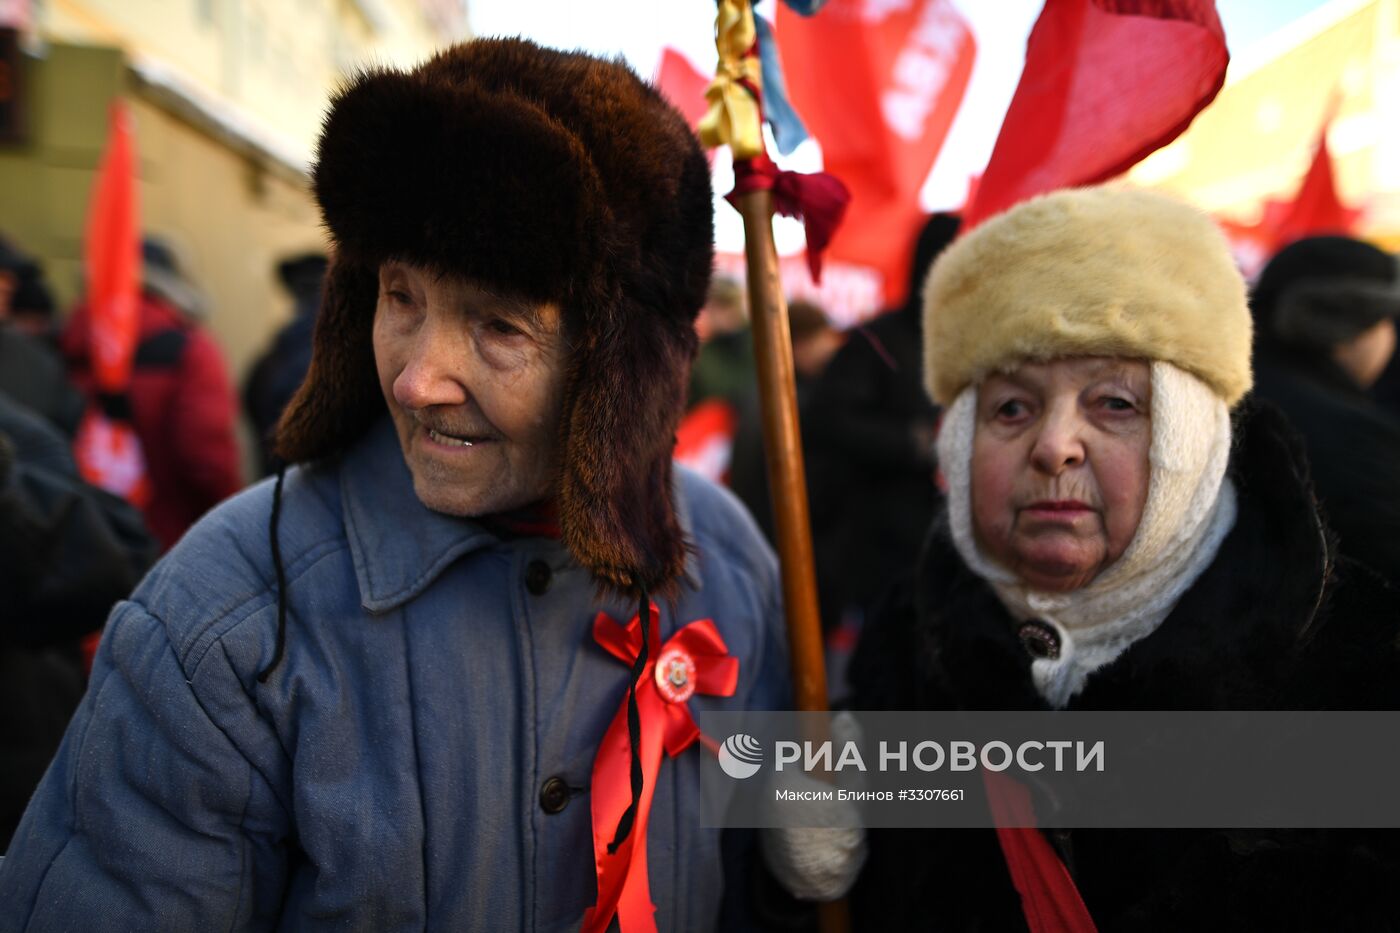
[
  {"x": 623, "y": 886},
  {"x": 1050, "y": 900},
  {"x": 820, "y": 202}
]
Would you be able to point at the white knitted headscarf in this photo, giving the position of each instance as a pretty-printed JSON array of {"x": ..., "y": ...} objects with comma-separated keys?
[{"x": 1190, "y": 508}]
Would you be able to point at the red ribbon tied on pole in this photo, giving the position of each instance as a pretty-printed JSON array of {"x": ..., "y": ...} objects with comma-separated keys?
[
  {"x": 694, "y": 660},
  {"x": 818, "y": 200}
]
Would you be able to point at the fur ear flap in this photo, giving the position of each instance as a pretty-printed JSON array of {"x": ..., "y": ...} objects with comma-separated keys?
[
  {"x": 340, "y": 397},
  {"x": 615, "y": 488}
]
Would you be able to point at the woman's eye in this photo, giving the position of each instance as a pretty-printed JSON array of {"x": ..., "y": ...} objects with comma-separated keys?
[
  {"x": 399, "y": 296},
  {"x": 503, "y": 327},
  {"x": 1012, "y": 408},
  {"x": 1114, "y": 403}
]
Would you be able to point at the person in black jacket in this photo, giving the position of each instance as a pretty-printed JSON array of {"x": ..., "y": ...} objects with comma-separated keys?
[
  {"x": 868, "y": 428},
  {"x": 31, "y": 371},
  {"x": 68, "y": 551},
  {"x": 1123, "y": 530},
  {"x": 279, "y": 371},
  {"x": 1325, "y": 311}
]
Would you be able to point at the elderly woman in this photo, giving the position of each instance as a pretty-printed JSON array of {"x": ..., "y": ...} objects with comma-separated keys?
[{"x": 1123, "y": 530}]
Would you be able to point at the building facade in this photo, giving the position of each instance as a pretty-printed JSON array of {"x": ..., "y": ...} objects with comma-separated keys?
[{"x": 226, "y": 98}]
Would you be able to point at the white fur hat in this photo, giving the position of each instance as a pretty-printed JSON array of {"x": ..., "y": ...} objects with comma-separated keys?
[{"x": 1088, "y": 272}]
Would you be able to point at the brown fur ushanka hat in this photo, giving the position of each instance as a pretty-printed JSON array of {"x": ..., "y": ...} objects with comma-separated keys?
[{"x": 550, "y": 175}]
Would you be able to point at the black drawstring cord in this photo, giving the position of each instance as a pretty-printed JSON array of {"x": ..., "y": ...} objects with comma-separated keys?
[
  {"x": 281, "y": 576},
  {"x": 634, "y": 728}
]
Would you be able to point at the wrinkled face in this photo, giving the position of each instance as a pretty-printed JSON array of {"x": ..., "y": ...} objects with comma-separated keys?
[
  {"x": 1060, "y": 467},
  {"x": 474, "y": 382}
]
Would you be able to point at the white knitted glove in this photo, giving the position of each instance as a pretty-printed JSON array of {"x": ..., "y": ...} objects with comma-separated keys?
[{"x": 818, "y": 863}]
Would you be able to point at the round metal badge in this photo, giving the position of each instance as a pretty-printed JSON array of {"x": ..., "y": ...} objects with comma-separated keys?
[{"x": 675, "y": 676}]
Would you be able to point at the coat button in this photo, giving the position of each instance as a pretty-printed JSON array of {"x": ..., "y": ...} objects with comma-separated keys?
[
  {"x": 537, "y": 576},
  {"x": 554, "y": 795},
  {"x": 1040, "y": 640}
]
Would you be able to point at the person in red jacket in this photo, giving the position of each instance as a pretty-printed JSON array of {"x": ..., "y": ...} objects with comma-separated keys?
[{"x": 182, "y": 402}]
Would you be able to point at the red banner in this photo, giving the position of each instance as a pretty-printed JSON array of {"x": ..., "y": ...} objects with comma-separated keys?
[
  {"x": 112, "y": 258},
  {"x": 1106, "y": 82},
  {"x": 878, "y": 84},
  {"x": 106, "y": 448}
]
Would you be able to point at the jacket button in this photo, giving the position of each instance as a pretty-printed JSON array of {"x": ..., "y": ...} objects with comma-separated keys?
[
  {"x": 537, "y": 576},
  {"x": 554, "y": 795},
  {"x": 1040, "y": 640}
]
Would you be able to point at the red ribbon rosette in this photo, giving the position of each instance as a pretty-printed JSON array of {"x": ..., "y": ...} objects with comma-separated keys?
[{"x": 694, "y": 660}]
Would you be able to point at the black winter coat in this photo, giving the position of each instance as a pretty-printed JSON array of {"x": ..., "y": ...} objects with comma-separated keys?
[
  {"x": 275, "y": 378},
  {"x": 1353, "y": 448},
  {"x": 68, "y": 551},
  {"x": 872, "y": 489},
  {"x": 1276, "y": 622},
  {"x": 32, "y": 375}
]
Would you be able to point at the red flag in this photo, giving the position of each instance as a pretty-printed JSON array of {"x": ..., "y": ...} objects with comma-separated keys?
[
  {"x": 112, "y": 256},
  {"x": 1315, "y": 210},
  {"x": 878, "y": 85},
  {"x": 106, "y": 448},
  {"x": 681, "y": 84},
  {"x": 1106, "y": 82}
]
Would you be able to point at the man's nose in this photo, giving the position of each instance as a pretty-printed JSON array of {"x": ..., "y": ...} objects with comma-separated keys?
[
  {"x": 1059, "y": 443},
  {"x": 435, "y": 370}
]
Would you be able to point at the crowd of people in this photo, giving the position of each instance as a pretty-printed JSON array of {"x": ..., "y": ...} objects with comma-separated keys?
[{"x": 436, "y": 668}]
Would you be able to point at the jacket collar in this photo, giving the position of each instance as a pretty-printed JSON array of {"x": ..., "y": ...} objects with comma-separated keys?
[{"x": 399, "y": 546}]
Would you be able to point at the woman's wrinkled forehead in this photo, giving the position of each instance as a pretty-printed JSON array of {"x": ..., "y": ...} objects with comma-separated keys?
[{"x": 1037, "y": 374}]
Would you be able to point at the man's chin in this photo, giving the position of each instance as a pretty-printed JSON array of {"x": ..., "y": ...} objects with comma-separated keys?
[
  {"x": 456, "y": 499},
  {"x": 470, "y": 499}
]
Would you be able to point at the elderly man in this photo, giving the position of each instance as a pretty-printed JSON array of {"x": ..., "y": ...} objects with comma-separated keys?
[
  {"x": 397, "y": 687},
  {"x": 1122, "y": 531}
]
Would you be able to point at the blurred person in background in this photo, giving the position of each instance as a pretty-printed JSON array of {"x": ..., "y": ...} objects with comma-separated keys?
[
  {"x": 280, "y": 369},
  {"x": 724, "y": 367},
  {"x": 182, "y": 402},
  {"x": 868, "y": 431},
  {"x": 814, "y": 342},
  {"x": 438, "y": 672},
  {"x": 68, "y": 551},
  {"x": 1121, "y": 531},
  {"x": 1325, "y": 310},
  {"x": 31, "y": 371},
  {"x": 31, "y": 308}
]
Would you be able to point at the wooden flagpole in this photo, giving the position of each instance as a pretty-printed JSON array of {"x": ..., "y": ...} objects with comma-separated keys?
[
  {"x": 782, "y": 442},
  {"x": 736, "y": 115}
]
